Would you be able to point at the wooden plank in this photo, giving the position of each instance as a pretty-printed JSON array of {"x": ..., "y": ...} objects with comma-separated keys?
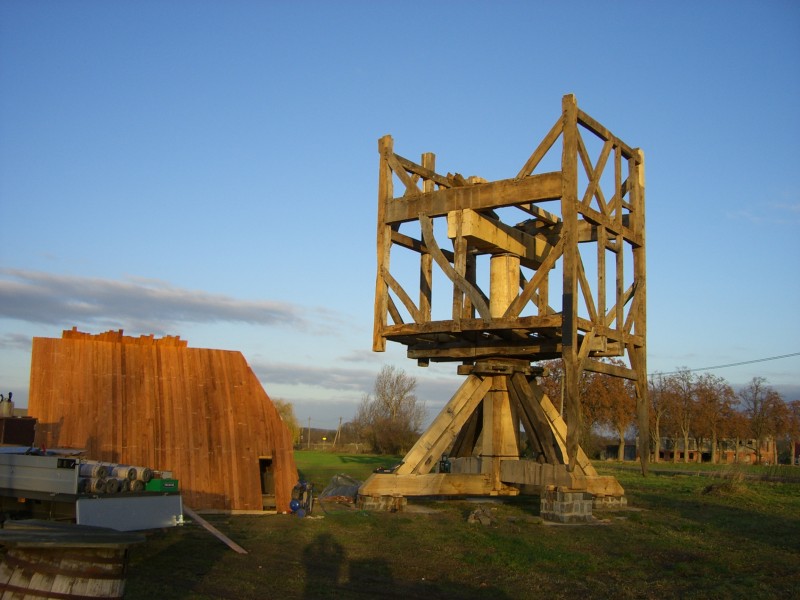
[
  {"x": 213, "y": 530},
  {"x": 506, "y": 192}
]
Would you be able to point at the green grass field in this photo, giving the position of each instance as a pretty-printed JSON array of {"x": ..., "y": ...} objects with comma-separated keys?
[{"x": 685, "y": 535}]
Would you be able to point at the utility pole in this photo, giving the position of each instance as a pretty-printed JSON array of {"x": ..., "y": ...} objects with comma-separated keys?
[
  {"x": 309, "y": 433},
  {"x": 338, "y": 430}
]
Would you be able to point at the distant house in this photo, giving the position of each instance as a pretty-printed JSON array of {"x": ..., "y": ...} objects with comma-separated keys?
[
  {"x": 200, "y": 413},
  {"x": 728, "y": 452}
]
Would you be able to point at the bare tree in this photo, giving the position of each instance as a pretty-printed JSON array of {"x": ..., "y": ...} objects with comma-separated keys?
[
  {"x": 761, "y": 404},
  {"x": 685, "y": 407},
  {"x": 793, "y": 429},
  {"x": 659, "y": 395},
  {"x": 391, "y": 418},
  {"x": 715, "y": 400}
]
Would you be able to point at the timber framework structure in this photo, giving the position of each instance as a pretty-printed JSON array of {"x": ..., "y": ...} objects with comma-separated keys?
[{"x": 501, "y": 275}]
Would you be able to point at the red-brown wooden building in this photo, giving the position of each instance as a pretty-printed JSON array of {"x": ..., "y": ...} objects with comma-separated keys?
[{"x": 200, "y": 413}]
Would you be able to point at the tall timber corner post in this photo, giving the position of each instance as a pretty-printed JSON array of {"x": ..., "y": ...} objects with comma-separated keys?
[{"x": 566, "y": 281}]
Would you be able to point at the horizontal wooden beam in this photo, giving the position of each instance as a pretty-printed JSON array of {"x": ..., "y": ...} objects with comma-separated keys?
[
  {"x": 430, "y": 484},
  {"x": 416, "y": 245},
  {"x": 469, "y": 351},
  {"x": 492, "y": 236},
  {"x": 608, "y": 369},
  {"x": 532, "y": 323},
  {"x": 480, "y": 196}
]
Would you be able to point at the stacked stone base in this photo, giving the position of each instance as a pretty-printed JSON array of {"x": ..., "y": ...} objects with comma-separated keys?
[{"x": 563, "y": 505}]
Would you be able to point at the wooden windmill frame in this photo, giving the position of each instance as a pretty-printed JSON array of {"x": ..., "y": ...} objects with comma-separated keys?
[{"x": 594, "y": 216}]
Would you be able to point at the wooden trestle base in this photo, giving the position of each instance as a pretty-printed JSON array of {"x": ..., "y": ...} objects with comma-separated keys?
[{"x": 479, "y": 431}]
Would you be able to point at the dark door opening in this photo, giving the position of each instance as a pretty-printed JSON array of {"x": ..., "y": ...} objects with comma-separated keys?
[{"x": 267, "y": 483}]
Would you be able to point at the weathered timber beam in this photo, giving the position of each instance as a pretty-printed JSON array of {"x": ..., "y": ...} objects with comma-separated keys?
[
  {"x": 515, "y": 308},
  {"x": 616, "y": 335},
  {"x": 416, "y": 245},
  {"x": 592, "y": 217},
  {"x": 532, "y": 323},
  {"x": 397, "y": 318},
  {"x": 494, "y": 237},
  {"x": 559, "y": 428},
  {"x": 534, "y": 417},
  {"x": 444, "y": 429},
  {"x": 541, "y": 214},
  {"x": 529, "y": 473},
  {"x": 402, "y": 295},
  {"x": 430, "y": 484},
  {"x": 600, "y": 131},
  {"x": 594, "y": 172},
  {"x": 494, "y": 194},
  {"x": 608, "y": 369},
  {"x": 471, "y": 350},
  {"x": 423, "y": 172},
  {"x": 459, "y": 281},
  {"x": 586, "y": 290},
  {"x": 409, "y": 182},
  {"x": 587, "y": 231},
  {"x": 542, "y": 149}
]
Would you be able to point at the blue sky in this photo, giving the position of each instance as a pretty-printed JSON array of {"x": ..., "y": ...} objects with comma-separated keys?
[{"x": 209, "y": 169}]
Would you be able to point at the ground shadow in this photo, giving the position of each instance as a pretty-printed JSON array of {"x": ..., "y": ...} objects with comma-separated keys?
[{"x": 330, "y": 574}]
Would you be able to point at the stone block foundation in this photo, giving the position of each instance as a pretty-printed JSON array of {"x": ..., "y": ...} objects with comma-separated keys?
[{"x": 563, "y": 505}]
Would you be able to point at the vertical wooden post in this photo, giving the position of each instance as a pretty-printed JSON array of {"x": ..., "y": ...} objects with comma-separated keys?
[
  {"x": 569, "y": 333},
  {"x": 503, "y": 283},
  {"x": 385, "y": 194},
  {"x": 460, "y": 266},
  {"x": 639, "y": 354},
  {"x": 426, "y": 260}
]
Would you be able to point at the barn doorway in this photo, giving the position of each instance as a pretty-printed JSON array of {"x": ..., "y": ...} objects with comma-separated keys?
[{"x": 267, "y": 476}]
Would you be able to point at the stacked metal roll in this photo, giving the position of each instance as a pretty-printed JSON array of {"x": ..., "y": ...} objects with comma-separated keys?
[{"x": 109, "y": 478}]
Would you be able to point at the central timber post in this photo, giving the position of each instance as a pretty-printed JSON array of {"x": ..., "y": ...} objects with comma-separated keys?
[{"x": 498, "y": 336}]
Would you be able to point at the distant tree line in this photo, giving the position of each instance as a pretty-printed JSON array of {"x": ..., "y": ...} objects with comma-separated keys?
[{"x": 684, "y": 406}]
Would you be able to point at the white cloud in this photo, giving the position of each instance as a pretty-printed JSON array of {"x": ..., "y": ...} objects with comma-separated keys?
[{"x": 150, "y": 306}]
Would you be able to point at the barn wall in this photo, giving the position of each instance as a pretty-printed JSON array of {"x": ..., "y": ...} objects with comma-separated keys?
[{"x": 199, "y": 413}]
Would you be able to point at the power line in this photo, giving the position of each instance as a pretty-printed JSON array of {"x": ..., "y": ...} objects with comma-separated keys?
[{"x": 737, "y": 364}]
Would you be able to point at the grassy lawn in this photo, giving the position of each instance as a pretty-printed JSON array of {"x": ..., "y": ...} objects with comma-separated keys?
[{"x": 684, "y": 536}]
